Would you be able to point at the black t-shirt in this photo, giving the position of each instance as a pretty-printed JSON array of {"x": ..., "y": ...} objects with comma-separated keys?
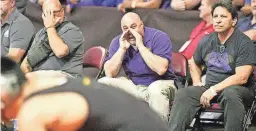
[
  {"x": 111, "y": 109},
  {"x": 221, "y": 60}
]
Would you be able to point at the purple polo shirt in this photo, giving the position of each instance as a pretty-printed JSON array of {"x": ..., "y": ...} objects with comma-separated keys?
[
  {"x": 133, "y": 64},
  {"x": 245, "y": 24}
]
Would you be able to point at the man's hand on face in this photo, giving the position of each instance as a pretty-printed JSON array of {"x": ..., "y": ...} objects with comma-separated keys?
[
  {"x": 123, "y": 40},
  {"x": 48, "y": 18},
  {"x": 206, "y": 97},
  {"x": 138, "y": 37}
]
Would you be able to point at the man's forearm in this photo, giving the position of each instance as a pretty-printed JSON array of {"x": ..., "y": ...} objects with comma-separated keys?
[
  {"x": 16, "y": 54},
  {"x": 230, "y": 81},
  {"x": 113, "y": 65},
  {"x": 13, "y": 57},
  {"x": 59, "y": 48},
  {"x": 195, "y": 72},
  {"x": 190, "y": 4},
  {"x": 154, "y": 62},
  {"x": 148, "y": 4}
]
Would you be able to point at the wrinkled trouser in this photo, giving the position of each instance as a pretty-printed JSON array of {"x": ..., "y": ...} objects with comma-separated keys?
[
  {"x": 233, "y": 100},
  {"x": 157, "y": 94}
]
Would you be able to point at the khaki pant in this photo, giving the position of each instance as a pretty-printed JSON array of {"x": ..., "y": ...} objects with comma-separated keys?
[{"x": 157, "y": 94}]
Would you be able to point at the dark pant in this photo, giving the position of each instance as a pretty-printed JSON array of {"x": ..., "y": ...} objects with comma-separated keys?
[{"x": 233, "y": 100}]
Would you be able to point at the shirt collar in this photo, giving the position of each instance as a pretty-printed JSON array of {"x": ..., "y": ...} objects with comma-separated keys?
[{"x": 230, "y": 39}]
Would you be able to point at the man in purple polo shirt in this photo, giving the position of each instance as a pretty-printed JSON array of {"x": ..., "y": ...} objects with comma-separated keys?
[
  {"x": 248, "y": 25},
  {"x": 145, "y": 55}
]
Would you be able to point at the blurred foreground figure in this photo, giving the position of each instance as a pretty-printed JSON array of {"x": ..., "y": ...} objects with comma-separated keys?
[{"x": 42, "y": 101}]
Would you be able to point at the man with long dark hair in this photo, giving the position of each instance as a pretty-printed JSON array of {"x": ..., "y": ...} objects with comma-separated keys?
[{"x": 229, "y": 56}]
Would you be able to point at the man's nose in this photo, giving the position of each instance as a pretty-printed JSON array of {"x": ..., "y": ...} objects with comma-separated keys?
[{"x": 218, "y": 20}]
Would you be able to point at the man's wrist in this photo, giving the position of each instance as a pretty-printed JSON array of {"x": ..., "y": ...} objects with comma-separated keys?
[
  {"x": 197, "y": 84},
  {"x": 49, "y": 27},
  {"x": 212, "y": 90},
  {"x": 142, "y": 48},
  {"x": 121, "y": 50}
]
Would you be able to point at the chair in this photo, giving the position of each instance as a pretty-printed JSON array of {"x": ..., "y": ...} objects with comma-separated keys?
[
  {"x": 180, "y": 67},
  {"x": 215, "y": 108},
  {"x": 94, "y": 57}
]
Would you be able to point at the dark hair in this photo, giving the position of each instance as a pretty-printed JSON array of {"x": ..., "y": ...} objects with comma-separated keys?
[
  {"x": 228, "y": 5},
  {"x": 10, "y": 68}
]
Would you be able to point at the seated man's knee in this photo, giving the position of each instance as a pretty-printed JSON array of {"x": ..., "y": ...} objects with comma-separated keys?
[
  {"x": 181, "y": 93},
  {"x": 158, "y": 87},
  {"x": 186, "y": 92}
]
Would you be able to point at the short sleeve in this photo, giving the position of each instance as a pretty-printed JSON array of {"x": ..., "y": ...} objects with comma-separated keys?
[
  {"x": 198, "y": 54},
  {"x": 72, "y": 37},
  {"x": 21, "y": 34},
  {"x": 114, "y": 45},
  {"x": 162, "y": 46},
  {"x": 246, "y": 54}
]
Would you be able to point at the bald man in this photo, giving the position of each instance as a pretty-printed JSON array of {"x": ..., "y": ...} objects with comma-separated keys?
[
  {"x": 58, "y": 46},
  {"x": 49, "y": 101},
  {"x": 145, "y": 55}
]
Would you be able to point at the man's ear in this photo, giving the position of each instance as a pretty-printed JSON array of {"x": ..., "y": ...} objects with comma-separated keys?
[
  {"x": 13, "y": 3},
  {"x": 234, "y": 22},
  {"x": 142, "y": 24}
]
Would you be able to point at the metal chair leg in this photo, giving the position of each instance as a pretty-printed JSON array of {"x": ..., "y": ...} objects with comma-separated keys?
[{"x": 249, "y": 116}]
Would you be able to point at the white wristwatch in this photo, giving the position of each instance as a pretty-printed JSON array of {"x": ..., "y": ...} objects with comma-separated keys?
[{"x": 213, "y": 91}]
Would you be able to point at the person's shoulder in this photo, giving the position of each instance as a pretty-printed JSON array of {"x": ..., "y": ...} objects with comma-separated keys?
[
  {"x": 70, "y": 29},
  {"x": 117, "y": 37},
  {"x": 244, "y": 20},
  {"x": 156, "y": 34},
  {"x": 39, "y": 32},
  {"x": 69, "y": 25},
  {"x": 22, "y": 21},
  {"x": 241, "y": 35},
  {"x": 209, "y": 37},
  {"x": 247, "y": 18},
  {"x": 242, "y": 38},
  {"x": 115, "y": 40},
  {"x": 154, "y": 31}
]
